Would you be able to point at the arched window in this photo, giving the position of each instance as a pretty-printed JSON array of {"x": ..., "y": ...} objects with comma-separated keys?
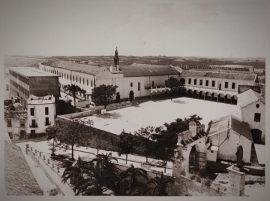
[
  {"x": 80, "y": 80},
  {"x": 76, "y": 79},
  {"x": 87, "y": 82},
  {"x": 83, "y": 81},
  {"x": 139, "y": 86},
  {"x": 91, "y": 83},
  {"x": 70, "y": 77},
  {"x": 153, "y": 84}
]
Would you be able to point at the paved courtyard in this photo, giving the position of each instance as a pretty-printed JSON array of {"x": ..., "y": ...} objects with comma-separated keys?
[{"x": 157, "y": 113}]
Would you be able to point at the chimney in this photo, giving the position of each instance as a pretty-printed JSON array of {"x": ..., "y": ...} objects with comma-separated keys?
[{"x": 193, "y": 128}]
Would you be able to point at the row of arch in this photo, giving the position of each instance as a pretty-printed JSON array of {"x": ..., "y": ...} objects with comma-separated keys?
[{"x": 217, "y": 97}]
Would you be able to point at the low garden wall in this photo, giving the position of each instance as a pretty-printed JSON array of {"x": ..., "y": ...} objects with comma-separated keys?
[{"x": 188, "y": 186}]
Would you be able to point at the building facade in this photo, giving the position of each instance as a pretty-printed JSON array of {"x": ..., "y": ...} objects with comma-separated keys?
[
  {"x": 41, "y": 114},
  {"x": 25, "y": 81},
  {"x": 133, "y": 81},
  {"x": 223, "y": 135},
  {"x": 251, "y": 109},
  {"x": 216, "y": 86}
]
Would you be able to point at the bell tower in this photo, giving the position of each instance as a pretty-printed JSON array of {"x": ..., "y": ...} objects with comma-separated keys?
[{"x": 116, "y": 60}]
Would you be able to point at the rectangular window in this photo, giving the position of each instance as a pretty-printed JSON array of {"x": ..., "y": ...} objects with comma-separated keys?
[
  {"x": 32, "y": 111},
  {"x": 33, "y": 123},
  {"x": 139, "y": 86},
  {"x": 9, "y": 123},
  {"x": 195, "y": 81},
  {"x": 131, "y": 84},
  {"x": 201, "y": 82},
  {"x": 22, "y": 123},
  {"x": 47, "y": 122},
  {"x": 189, "y": 81},
  {"x": 233, "y": 85},
  {"x": 257, "y": 117},
  {"x": 206, "y": 82},
  {"x": 226, "y": 85},
  {"x": 153, "y": 84},
  {"x": 46, "y": 110},
  {"x": 213, "y": 83}
]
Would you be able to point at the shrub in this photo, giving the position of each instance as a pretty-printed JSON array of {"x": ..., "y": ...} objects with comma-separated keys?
[
  {"x": 198, "y": 179},
  {"x": 208, "y": 183},
  {"x": 183, "y": 173}
]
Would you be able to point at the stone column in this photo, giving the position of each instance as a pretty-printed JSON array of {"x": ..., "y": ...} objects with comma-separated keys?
[{"x": 236, "y": 182}]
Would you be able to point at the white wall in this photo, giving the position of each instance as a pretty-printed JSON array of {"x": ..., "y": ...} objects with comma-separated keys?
[
  {"x": 248, "y": 113},
  {"x": 39, "y": 116},
  {"x": 228, "y": 147},
  {"x": 217, "y": 82}
]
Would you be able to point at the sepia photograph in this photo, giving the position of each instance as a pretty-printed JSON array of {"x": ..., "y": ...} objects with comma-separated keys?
[{"x": 134, "y": 98}]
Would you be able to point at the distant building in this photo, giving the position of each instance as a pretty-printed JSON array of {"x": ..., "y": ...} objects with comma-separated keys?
[
  {"x": 28, "y": 80},
  {"x": 40, "y": 115},
  {"x": 223, "y": 135},
  {"x": 215, "y": 86},
  {"x": 133, "y": 81},
  {"x": 251, "y": 109}
]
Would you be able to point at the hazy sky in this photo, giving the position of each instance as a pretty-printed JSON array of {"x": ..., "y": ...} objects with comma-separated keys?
[{"x": 174, "y": 28}]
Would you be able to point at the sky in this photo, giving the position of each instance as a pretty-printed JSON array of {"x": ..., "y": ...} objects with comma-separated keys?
[{"x": 205, "y": 28}]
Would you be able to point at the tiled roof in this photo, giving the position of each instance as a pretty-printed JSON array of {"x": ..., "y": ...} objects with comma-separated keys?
[
  {"x": 241, "y": 128},
  {"x": 73, "y": 66},
  {"x": 137, "y": 70},
  {"x": 230, "y": 121},
  {"x": 222, "y": 75},
  {"x": 243, "y": 88},
  {"x": 249, "y": 97}
]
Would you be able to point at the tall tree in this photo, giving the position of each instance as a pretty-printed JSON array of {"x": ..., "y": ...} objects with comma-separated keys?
[
  {"x": 51, "y": 132},
  {"x": 126, "y": 144},
  {"x": 73, "y": 132},
  {"x": 73, "y": 89},
  {"x": 144, "y": 134},
  {"x": 174, "y": 84},
  {"x": 103, "y": 94}
]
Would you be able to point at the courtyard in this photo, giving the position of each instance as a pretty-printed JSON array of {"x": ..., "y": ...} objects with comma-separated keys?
[{"x": 156, "y": 113}]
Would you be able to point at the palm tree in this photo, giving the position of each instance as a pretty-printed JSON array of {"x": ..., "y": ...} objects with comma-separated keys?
[
  {"x": 73, "y": 89},
  {"x": 158, "y": 186},
  {"x": 98, "y": 176},
  {"x": 74, "y": 172},
  {"x": 132, "y": 181}
]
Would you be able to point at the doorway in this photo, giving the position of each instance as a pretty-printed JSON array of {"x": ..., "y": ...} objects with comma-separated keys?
[{"x": 131, "y": 96}]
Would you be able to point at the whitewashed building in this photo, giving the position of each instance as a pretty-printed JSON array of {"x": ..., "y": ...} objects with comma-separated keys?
[
  {"x": 251, "y": 109},
  {"x": 40, "y": 115},
  {"x": 223, "y": 135}
]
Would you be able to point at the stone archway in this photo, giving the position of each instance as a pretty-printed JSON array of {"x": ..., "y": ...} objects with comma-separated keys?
[{"x": 131, "y": 96}]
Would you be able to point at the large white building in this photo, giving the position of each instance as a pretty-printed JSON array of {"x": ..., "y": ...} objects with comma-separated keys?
[{"x": 133, "y": 81}]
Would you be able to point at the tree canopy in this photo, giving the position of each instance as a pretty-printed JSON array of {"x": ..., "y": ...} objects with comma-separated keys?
[
  {"x": 103, "y": 94},
  {"x": 73, "y": 89},
  {"x": 71, "y": 132},
  {"x": 126, "y": 144}
]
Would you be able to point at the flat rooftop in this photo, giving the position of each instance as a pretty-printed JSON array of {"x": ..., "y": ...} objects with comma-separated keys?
[
  {"x": 32, "y": 72},
  {"x": 157, "y": 113}
]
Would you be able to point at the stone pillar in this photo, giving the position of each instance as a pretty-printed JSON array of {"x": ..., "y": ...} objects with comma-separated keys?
[{"x": 236, "y": 182}]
